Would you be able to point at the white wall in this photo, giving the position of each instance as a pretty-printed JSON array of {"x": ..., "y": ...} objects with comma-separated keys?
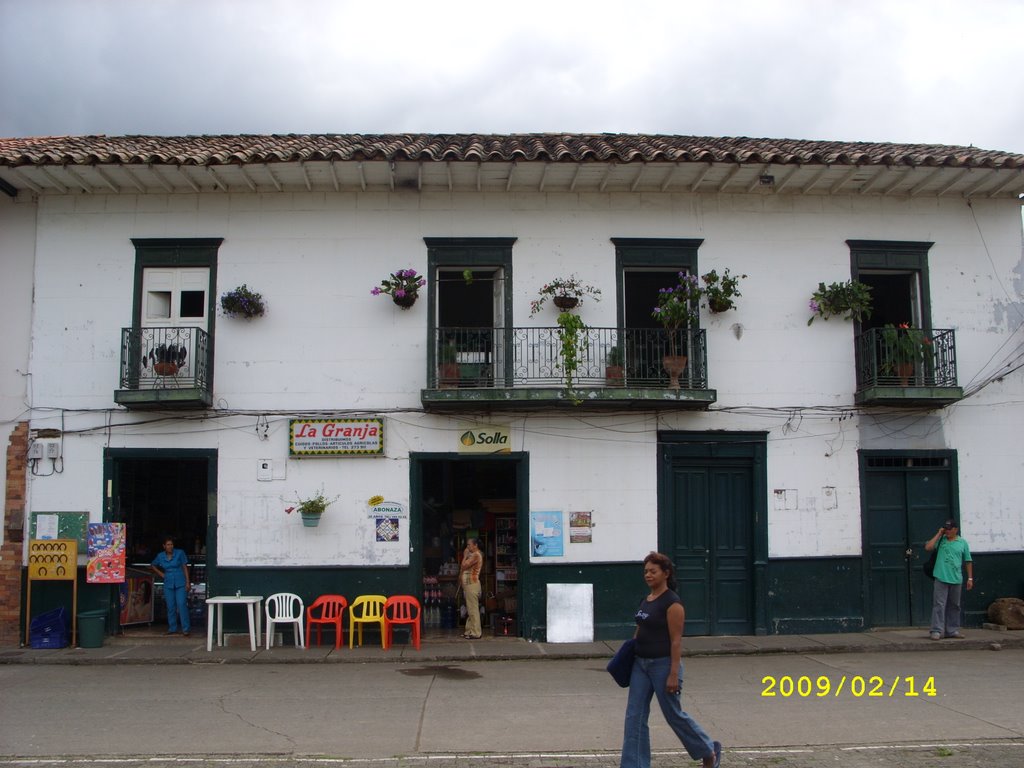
[{"x": 327, "y": 344}]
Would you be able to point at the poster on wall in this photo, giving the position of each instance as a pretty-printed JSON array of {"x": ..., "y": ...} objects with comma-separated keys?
[
  {"x": 136, "y": 596},
  {"x": 336, "y": 437},
  {"x": 106, "y": 548},
  {"x": 579, "y": 528},
  {"x": 546, "y": 534}
]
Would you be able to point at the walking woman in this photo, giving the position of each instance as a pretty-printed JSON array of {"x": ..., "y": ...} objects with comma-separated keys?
[{"x": 658, "y": 671}]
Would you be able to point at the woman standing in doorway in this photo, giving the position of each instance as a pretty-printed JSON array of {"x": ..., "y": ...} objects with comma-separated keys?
[
  {"x": 469, "y": 580},
  {"x": 658, "y": 671},
  {"x": 171, "y": 565}
]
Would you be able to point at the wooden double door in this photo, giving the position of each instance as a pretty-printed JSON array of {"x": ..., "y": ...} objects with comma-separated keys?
[
  {"x": 905, "y": 498},
  {"x": 708, "y": 527}
]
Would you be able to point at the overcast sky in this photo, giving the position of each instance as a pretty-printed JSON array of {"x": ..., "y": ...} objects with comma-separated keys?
[{"x": 908, "y": 71}]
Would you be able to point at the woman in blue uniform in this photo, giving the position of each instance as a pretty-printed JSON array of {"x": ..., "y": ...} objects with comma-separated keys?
[
  {"x": 658, "y": 671},
  {"x": 171, "y": 565}
]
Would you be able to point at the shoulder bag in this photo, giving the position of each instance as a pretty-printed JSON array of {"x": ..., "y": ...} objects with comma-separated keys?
[
  {"x": 621, "y": 665},
  {"x": 929, "y": 565}
]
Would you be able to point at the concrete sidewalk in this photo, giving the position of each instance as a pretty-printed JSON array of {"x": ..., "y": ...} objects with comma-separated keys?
[{"x": 149, "y": 647}]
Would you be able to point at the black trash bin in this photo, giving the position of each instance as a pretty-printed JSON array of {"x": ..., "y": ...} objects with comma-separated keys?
[{"x": 91, "y": 628}]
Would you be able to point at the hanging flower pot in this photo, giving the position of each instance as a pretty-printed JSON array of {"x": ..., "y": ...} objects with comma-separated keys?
[
  {"x": 402, "y": 286},
  {"x": 311, "y": 509},
  {"x": 566, "y": 302}
]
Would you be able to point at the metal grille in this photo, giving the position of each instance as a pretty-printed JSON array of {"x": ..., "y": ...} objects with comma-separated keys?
[
  {"x": 164, "y": 358},
  {"x": 903, "y": 462},
  {"x": 906, "y": 357},
  {"x": 532, "y": 357}
]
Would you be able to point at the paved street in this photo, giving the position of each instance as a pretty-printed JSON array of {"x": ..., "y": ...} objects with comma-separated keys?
[{"x": 518, "y": 713}]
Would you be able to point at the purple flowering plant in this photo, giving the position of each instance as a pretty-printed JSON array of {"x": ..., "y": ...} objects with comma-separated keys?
[
  {"x": 400, "y": 284},
  {"x": 678, "y": 306},
  {"x": 242, "y": 302}
]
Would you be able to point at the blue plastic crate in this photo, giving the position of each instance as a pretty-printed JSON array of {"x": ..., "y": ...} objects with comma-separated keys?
[{"x": 49, "y": 629}]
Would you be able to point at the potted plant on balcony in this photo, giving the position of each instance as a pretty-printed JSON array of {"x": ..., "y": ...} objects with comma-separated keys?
[
  {"x": 720, "y": 291},
  {"x": 567, "y": 294},
  {"x": 614, "y": 370},
  {"x": 402, "y": 286},
  {"x": 242, "y": 302},
  {"x": 166, "y": 359},
  {"x": 904, "y": 347},
  {"x": 312, "y": 508},
  {"x": 448, "y": 366},
  {"x": 677, "y": 310},
  {"x": 851, "y": 299}
]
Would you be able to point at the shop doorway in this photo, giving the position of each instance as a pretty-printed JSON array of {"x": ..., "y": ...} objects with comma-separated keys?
[
  {"x": 160, "y": 493},
  {"x": 459, "y": 498}
]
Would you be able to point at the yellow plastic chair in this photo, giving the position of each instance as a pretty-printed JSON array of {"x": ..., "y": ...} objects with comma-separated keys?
[{"x": 367, "y": 609}]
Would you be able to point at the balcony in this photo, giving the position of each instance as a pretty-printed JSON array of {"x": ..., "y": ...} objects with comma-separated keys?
[
  {"x": 907, "y": 368},
  {"x": 522, "y": 368},
  {"x": 164, "y": 368}
]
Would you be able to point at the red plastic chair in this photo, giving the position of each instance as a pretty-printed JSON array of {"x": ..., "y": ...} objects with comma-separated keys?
[
  {"x": 327, "y": 609},
  {"x": 403, "y": 610}
]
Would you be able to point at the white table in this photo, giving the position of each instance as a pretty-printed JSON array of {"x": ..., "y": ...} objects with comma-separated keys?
[{"x": 252, "y": 602}]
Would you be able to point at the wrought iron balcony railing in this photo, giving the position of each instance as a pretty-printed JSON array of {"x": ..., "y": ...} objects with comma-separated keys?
[
  {"x": 164, "y": 364},
  {"x": 906, "y": 357},
  {"x": 496, "y": 358}
]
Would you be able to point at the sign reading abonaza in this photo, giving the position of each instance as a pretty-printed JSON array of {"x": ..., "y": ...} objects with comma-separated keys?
[{"x": 336, "y": 437}]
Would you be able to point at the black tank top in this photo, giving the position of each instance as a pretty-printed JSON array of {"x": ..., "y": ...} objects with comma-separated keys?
[{"x": 652, "y": 639}]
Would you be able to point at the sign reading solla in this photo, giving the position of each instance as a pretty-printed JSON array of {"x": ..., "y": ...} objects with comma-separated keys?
[
  {"x": 336, "y": 437},
  {"x": 487, "y": 439}
]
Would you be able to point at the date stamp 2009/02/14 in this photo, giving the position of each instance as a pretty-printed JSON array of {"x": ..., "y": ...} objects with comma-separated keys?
[{"x": 857, "y": 686}]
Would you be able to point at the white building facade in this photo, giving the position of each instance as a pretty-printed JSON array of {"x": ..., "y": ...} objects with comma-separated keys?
[{"x": 792, "y": 479}]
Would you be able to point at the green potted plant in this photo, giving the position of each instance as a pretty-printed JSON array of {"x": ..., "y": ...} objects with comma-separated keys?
[
  {"x": 402, "y": 286},
  {"x": 565, "y": 293},
  {"x": 851, "y": 299},
  {"x": 311, "y": 508},
  {"x": 720, "y": 291},
  {"x": 678, "y": 310},
  {"x": 242, "y": 302},
  {"x": 904, "y": 347},
  {"x": 448, "y": 366},
  {"x": 614, "y": 370}
]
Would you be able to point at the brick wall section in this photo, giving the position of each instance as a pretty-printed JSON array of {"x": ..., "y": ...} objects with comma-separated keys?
[{"x": 11, "y": 551}]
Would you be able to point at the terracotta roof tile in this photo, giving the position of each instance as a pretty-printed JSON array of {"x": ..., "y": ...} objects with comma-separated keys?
[{"x": 550, "y": 147}]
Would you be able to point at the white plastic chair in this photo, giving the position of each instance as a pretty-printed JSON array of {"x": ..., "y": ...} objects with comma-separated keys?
[{"x": 285, "y": 608}]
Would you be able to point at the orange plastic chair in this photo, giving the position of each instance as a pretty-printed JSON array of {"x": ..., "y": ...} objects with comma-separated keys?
[
  {"x": 403, "y": 610},
  {"x": 367, "y": 609},
  {"x": 330, "y": 610}
]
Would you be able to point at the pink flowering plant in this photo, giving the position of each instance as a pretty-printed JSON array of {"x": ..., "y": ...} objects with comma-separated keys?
[{"x": 401, "y": 284}]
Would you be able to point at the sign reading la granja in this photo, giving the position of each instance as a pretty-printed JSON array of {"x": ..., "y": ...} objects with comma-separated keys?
[{"x": 336, "y": 437}]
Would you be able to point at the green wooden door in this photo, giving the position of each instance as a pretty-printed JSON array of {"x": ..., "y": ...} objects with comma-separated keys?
[
  {"x": 709, "y": 527},
  {"x": 905, "y": 500}
]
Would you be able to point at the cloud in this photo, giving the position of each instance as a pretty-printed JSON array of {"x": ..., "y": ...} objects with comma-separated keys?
[{"x": 896, "y": 70}]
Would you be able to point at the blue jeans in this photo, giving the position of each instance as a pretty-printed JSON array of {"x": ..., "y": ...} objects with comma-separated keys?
[
  {"x": 946, "y": 608},
  {"x": 648, "y": 679},
  {"x": 177, "y": 607}
]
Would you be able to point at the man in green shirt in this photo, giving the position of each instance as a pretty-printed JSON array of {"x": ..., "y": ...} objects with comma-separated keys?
[{"x": 953, "y": 555}]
